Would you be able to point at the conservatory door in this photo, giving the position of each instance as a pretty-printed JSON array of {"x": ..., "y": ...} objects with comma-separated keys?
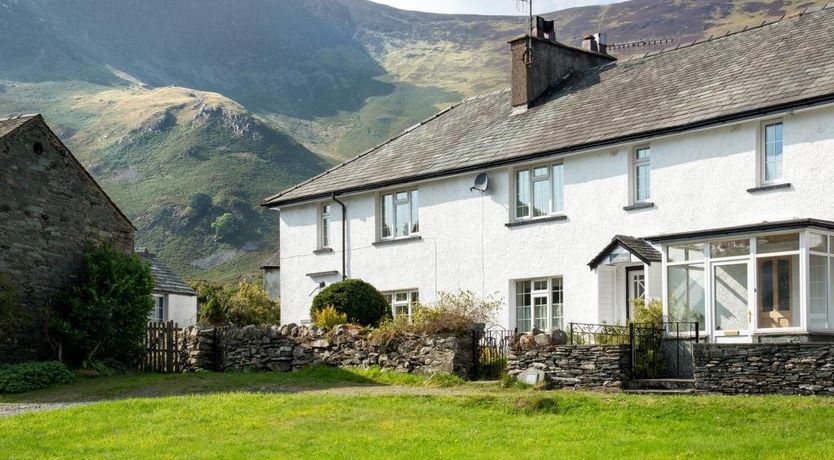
[{"x": 731, "y": 298}]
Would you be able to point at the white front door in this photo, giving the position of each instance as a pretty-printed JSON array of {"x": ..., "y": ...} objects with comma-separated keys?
[{"x": 635, "y": 288}]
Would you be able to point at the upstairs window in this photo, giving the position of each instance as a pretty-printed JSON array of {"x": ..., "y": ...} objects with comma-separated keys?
[
  {"x": 324, "y": 226},
  {"x": 641, "y": 173},
  {"x": 539, "y": 191},
  {"x": 770, "y": 157},
  {"x": 400, "y": 216}
]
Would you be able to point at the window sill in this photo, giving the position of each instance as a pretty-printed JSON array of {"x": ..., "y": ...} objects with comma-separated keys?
[
  {"x": 636, "y": 206},
  {"x": 320, "y": 274},
  {"x": 406, "y": 239},
  {"x": 520, "y": 223},
  {"x": 323, "y": 251},
  {"x": 769, "y": 187}
]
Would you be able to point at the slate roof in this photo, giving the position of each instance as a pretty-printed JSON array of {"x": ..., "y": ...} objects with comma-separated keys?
[
  {"x": 743, "y": 229},
  {"x": 781, "y": 65},
  {"x": 7, "y": 125},
  {"x": 166, "y": 280},
  {"x": 274, "y": 261},
  {"x": 639, "y": 248}
]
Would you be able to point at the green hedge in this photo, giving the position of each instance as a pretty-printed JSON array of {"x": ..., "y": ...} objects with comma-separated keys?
[
  {"x": 360, "y": 301},
  {"x": 20, "y": 378}
]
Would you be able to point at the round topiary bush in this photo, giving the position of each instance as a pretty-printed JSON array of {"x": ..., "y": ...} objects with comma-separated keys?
[{"x": 360, "y": 301}]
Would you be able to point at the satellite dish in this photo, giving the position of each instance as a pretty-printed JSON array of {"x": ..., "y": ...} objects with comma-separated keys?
[{"x": 481, "y": 183}]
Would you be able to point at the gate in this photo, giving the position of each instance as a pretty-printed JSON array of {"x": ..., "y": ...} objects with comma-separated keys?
[
  {"x": 161, "y": 344},
  {"x": 492, "y": 347},
  {"x": 662, "y": 351}
]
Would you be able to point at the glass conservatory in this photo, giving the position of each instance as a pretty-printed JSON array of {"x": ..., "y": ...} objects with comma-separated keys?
[{"x": 767, "y": 282}]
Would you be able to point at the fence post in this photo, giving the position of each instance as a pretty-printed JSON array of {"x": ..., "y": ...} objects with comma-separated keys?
[{"x": 633, "y": 348}]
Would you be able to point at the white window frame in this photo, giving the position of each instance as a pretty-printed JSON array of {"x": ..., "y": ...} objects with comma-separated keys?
[
  {"x": 634, "y": 164},
  {"x": 325, "y": 223},
  {"x": 412, "y": 299},
  {"x": 413, "y": 211},
  {"x": 761, "y": 153},
  {"x": 158, "y": 300},
  {"x": 556, "y": 201},
  {"x": 554, "y": 317}
]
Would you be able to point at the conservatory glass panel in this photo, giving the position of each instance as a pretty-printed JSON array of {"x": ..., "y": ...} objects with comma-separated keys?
[{"x": 818, "y": 279}]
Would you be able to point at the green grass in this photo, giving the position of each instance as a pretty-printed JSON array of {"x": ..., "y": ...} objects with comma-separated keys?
[{"x": 241, "y": 416}]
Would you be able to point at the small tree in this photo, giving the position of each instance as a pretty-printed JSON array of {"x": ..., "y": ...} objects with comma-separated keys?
[
  {"x": 201, "y": 203},
  {"x": 103, "y": 316},
  {"x": 250, "y": 304},
  {"x": 360, "y": 301}
]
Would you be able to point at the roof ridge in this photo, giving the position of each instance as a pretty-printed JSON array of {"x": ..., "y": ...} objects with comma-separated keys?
[
  {"x": 378, "y": 146},
  {"x": 732, "y": 33},
  {"x": 19, "y": 117}
]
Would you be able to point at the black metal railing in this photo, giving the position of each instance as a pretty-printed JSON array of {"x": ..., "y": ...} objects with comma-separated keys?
[
  {"x": 658, "y": 350},
  {"x": 597, "y": 334},
  {"x": 492, "y": 347}
]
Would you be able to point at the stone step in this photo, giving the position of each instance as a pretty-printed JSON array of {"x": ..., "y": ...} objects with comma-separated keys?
[
  {"x": 690, "y": 391},
  {"x": 662, "y": 384}
]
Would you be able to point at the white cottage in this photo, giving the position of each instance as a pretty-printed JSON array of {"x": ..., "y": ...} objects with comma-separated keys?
[
  {"x": 700, "y": 175},
  {"x": 174, "y": 300}
]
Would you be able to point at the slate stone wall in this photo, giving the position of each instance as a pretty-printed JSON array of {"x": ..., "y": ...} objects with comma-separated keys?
[
  {"x": 784, "y": 368},
  {"x": 290, "y": 347},
  {"x": 587, "y": 367},
  {"x": 50, "y": 210}
]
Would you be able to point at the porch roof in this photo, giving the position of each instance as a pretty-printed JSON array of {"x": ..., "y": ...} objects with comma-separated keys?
[
  {"x": 636, "y": 246},
  {"x": 742, "y": 229}
]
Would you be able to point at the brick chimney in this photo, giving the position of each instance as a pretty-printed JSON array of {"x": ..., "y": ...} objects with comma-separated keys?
[{"x": 540, "y": 63}]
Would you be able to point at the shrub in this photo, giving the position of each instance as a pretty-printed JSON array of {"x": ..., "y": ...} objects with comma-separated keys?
[
  {"x": 225, "y": 227},
  {"x": 250, "y": 304},
  {"x": 360, "y": 301},
  {"x": 245, "y": 304},
  {"x": 104, "y": 315},
  {"x": 328, "y": 317},
  {"x": 450, "y": 313},
  {"x": 650, "y": 312},
  {"x": 24, "y": 377}
]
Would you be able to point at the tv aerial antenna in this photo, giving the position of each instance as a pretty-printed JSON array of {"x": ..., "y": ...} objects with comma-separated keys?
[{"x": 528, "y": 53}]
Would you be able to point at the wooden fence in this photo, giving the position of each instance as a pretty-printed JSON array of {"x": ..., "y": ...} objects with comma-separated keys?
[{"x": 161, "y": 343}]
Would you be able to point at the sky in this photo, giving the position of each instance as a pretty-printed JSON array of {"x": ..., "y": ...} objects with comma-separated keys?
[{"x": 502, "y": 7}]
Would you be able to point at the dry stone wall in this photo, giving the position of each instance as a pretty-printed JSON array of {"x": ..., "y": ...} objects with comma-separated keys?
[
  {"x": 291, "y": 347},
  {"x": 784, "y": 368},
  {"x": 605, "y": 367}
]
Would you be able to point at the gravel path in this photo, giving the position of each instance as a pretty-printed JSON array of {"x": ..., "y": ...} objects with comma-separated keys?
[{"x": 7, "y": 410}]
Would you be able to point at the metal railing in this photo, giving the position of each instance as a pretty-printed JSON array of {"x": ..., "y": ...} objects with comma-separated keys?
[
  {"x": 492, "y": 347},
  {"x": 597, "y": 334}
]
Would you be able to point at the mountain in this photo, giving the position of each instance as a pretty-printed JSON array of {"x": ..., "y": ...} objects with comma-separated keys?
[{"x": 189, "y": 112}]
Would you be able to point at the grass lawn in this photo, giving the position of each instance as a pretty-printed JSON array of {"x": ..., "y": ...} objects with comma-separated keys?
[{"x": 289, "y": 416}]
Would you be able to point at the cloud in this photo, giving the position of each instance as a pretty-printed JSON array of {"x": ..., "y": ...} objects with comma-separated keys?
[{"x": 494, "y": 7}]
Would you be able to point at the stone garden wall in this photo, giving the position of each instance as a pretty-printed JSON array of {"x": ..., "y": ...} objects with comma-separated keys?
[
  {"x": 606, "y": 367},
  {"x": 785, "y": 368},
  {"x": 291, "y": 347}
]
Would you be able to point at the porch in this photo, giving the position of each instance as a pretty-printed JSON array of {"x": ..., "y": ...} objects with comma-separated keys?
[{"x": 768, "y": 282}]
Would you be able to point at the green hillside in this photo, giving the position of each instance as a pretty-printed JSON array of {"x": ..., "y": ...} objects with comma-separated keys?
[{"x": 187, "y": 111}]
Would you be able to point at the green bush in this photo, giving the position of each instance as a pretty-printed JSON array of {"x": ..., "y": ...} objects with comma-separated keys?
[
  {"x": 19, "y": 378},
  {"x": 328, "y": 318},
  {"x": 103, "y": 316},
  {"x": 360, "y": 301},
  {"x": 242, "y": 305}
]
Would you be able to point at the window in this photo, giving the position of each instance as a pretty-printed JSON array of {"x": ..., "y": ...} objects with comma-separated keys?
[
  {"x": 539, "y": 191},
  {"x": 641, "y": 172},
  {"x": 158, "y": 312},
  {"x": 402, "y": 302},
  {"x": 324, "y": 226},
  {"x": 539, "y": 303},
  {"x": 770, "y": 157},
  {"x": 400, "y": 214}
]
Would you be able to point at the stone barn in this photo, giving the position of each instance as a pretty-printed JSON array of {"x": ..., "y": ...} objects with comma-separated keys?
[{"x": 51, "y": 210}]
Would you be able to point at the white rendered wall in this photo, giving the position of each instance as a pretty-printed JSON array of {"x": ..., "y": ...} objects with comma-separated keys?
[
  {"x": 182, "y": 309},
  {"x": 699, "y": 181}
]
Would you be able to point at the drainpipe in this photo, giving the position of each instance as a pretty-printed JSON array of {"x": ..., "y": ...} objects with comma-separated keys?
[{"x": 344, "y": 236}]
